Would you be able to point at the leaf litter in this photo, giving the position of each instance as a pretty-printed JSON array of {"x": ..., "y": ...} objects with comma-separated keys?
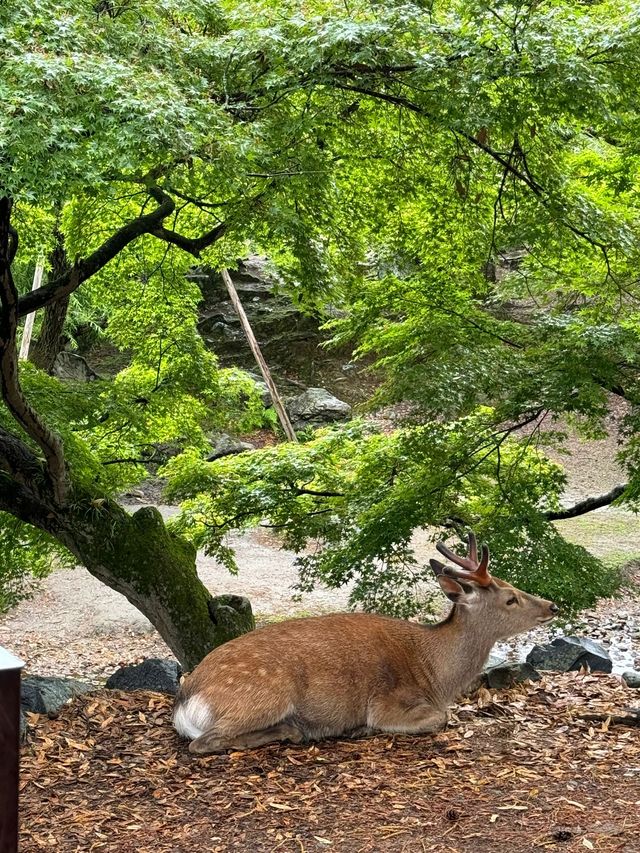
[{"x": 516, "y": 771}]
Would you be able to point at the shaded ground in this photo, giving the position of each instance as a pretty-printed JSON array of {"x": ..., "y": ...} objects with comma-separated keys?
[{"x": 518, "y": 771}]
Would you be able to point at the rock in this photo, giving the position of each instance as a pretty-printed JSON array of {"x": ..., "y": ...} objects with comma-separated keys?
[
  {"x": 283, "y": 331},
  {"x": 42, "y": 694},
  {"x": 506, "y": 675},
  {"x": 23, "y": 726},
  {"x": 495, "y": 659},
  {"x": 565, "y": 654},
  {"x": 315, "y": 407},
  {"x": 225, "y": 445},
  {"x": 262, "y": 388},
  {"x": 73, "y": 368},
  {"x": 162, "y": 676},
  {"x": 631, "y": 678}
]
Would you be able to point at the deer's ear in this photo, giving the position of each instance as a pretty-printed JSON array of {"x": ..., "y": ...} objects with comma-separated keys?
[
  {"x": 437, "y": 566},
  {"x": 451, "y": 588}
]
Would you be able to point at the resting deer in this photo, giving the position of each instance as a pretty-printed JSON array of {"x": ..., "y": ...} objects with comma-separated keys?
[{"x": 354, "y": 673}]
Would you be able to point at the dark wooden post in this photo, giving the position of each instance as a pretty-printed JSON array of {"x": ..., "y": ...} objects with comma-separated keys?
[{"x": 10, "y": 667}]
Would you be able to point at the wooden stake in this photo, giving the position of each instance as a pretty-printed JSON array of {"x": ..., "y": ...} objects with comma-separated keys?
[
  {"x": 28, "y": 323},
  {"x": 262, "y": 364}
]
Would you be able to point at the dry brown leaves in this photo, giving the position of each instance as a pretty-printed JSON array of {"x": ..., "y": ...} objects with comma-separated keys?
[{"x": 518, "y": 771}]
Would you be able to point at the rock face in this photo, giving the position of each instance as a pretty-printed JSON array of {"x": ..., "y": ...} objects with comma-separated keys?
[
  {"x": 224, "y": 445},
  {"x": 631, "y": 678},
  {"x": 565, "y": 654},
  {"x": 46, "y": 695},
  {"x": 162, "y": 676},
  {"x": 73, "y": 368},
  {"x": 507, "y": 674},
  {"x": 282, "y": 331},
  {"x": 316, "y": 407}
]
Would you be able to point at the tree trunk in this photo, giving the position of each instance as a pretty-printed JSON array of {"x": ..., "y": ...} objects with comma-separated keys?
[
  {"x": 136, "y": 555},
  {"x": 155, "y": 570},
  {"x": 50, "y": 341}
]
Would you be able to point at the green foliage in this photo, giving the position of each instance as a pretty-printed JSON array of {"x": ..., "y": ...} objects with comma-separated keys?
[
  {"x": 387, "y": 157},
  {"x": 531, "y": 554},
  {"x": 362, "y": 496}
]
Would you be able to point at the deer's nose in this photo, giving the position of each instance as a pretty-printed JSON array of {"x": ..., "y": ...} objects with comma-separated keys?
[{"x": 554, "y": 608}]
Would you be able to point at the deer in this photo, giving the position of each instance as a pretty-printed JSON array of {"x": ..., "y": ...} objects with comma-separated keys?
[{"x": 354, "y": 674}]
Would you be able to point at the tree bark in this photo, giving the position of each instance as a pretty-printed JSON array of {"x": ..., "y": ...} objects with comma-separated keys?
[
  {"x": 588, "y": 504},
  {"x": 50, "y": 341}
]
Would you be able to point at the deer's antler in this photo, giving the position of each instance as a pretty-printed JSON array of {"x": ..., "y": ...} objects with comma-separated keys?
[{"x": 474, "y": 570}]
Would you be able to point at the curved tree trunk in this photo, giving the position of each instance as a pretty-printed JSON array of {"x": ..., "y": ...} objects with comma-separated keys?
[
  {"x": 155, "y": 570},
  {"x": 135, "y": 555}
]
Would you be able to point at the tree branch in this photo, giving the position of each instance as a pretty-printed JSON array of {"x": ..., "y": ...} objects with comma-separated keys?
[
  {"x": 192, "y": 245},
  {"x": 148, "y": 223},
  {"x": 82, "y": 270},
  {"x": 505, "y": 161},
  {"x": 20, "y": 502},
  {"x": 587, "y": 505}
]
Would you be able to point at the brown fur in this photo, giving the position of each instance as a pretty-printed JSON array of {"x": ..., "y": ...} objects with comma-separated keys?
[{"x": 306, "y": 679}]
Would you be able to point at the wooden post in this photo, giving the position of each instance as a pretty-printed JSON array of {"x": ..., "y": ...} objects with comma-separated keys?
[
  {"x": 27, "y": 331},
  {"x": 10, "y": 667},
  {"x": 262, "y": 364}
]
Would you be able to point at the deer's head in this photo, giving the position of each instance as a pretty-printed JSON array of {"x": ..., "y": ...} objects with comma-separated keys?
[{"x": 500, "y": 607}]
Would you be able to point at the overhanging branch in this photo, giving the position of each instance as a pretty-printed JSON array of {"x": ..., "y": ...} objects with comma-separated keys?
[
  {"x": 148, "y": 223},
  {"x": 508, "y": 164},
  {"x": 192, "y": 245},
  {"x": 84, "y": 269},
  {"x": 588, "y": 504}
]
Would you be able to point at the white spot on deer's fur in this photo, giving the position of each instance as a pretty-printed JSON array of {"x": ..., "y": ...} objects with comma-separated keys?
[
  {"x": 262, "y": 671},
  {"x": 193, "y": 717}
]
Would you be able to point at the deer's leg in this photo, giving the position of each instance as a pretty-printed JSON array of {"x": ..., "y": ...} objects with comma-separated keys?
[
  {"x": 404, "y": 712},
  {"x": 213, "y": 742}
]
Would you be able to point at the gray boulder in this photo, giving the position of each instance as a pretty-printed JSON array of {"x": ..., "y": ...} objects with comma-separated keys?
[
  {"x": 631, "y": 678},
  {"x": 316, "y": 407},
  {"x": 161, "y": 676},
  {"x": 225, "y": 445},
  {"x": 565, "y": 654},
  {"x": 42, "y": 694},
  {"x": 73, "y": 368},
  {"x": 507, "y": 674},
  {"x": 262, "y": 388}
]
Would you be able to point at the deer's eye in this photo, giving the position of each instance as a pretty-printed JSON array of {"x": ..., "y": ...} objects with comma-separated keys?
[{"x": 512, "y": 600}]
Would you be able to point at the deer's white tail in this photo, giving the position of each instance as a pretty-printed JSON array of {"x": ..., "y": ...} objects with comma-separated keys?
[{"x": 192, "y": 717}]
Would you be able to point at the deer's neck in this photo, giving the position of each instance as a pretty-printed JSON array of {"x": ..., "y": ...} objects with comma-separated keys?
[{"x": 454, "y": 653}]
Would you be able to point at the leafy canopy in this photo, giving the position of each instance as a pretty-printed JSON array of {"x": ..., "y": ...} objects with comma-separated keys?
[{"x": 386, "y": 156}]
